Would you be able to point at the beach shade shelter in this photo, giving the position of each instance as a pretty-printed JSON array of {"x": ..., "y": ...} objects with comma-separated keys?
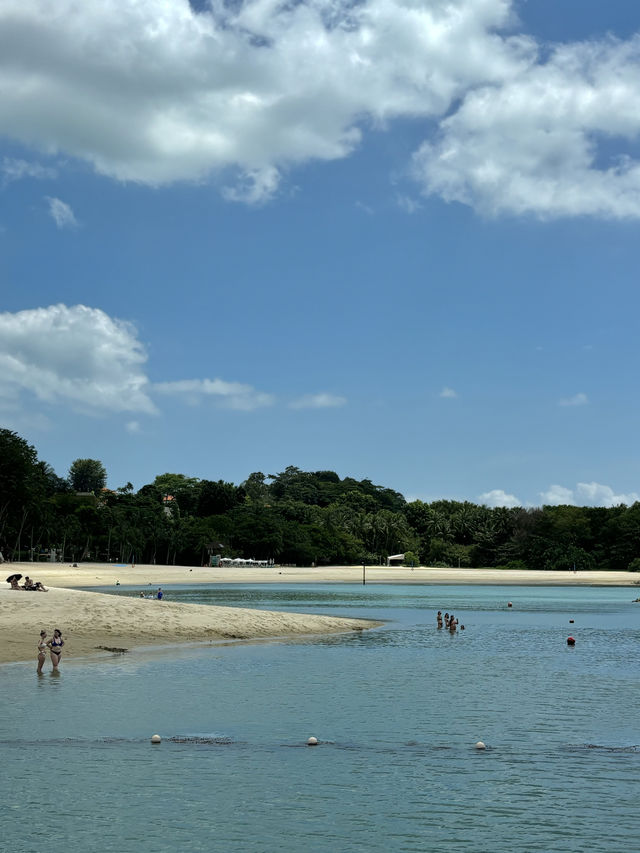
[
  {"x": 13, "y": 578},
  {"x": 394, "y": 559}
]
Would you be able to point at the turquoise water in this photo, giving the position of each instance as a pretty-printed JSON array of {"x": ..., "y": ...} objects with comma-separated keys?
[{"x": 397, "y": 711}]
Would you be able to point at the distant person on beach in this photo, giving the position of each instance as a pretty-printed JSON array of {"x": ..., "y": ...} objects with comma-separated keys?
[
  {"x": 141, "y": 594},
  {"x": 446, "y": 620},
  {"x": 42, "y": 651},
  {"x": 55, "y": 648},
  {"x": 38, "y": 587},
  {"x": 14, "y": 584},
  {"x": 160, "y": 593},
  {"x": 452, "y": 623},
  {"x": 439, "y": 617},
  {"x": 28, "y": 583}
]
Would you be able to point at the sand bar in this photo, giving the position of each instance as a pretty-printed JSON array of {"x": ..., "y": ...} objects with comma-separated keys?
[{"x": 89, "y": 620}]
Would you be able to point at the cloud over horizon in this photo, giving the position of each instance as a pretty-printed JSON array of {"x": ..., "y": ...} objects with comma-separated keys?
[{"x": 245, "y": 92}]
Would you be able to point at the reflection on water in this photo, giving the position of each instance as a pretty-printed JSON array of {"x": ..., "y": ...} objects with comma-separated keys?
[{"x": 397, "y": 712}]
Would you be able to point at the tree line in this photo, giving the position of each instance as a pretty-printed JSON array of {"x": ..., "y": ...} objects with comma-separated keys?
[{"x": 292, "y": 517}]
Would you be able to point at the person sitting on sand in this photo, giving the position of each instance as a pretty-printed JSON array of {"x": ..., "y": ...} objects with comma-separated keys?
[
  {"x": 55, "y": 648},
  {"x": 28, "y": 583},
  {"x": 38, "y": 587},
  {"x": 14, "y": 584}
]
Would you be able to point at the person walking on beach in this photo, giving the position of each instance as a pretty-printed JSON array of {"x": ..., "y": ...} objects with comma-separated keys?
[
  {"x": 55, "y": 648},
  {"x": 42, "y": 651}
]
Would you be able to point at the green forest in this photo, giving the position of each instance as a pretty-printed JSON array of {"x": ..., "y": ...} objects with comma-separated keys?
[{"x": 293, "y": 517}]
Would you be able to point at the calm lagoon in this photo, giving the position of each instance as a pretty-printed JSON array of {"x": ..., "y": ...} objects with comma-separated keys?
[{"x": 397, "y": 710}]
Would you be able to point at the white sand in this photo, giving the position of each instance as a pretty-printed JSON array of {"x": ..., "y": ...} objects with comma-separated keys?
[{"x": 89, "y": 620}]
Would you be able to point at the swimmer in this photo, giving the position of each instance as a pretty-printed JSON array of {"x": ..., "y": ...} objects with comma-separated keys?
[{"x": 439, "y": 618}]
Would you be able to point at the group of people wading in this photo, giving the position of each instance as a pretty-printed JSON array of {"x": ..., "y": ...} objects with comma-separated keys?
[
  {"x": 53, "y": 646},
  {"x": 450, "y": 622}
]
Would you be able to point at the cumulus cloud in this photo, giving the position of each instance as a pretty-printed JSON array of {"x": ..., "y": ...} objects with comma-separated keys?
[
  {"x": 154, "y": 92},
  {"x": 318, "y": 401},
  {"x": 61, "y": 213},
  {"x": 15, "y": 169},
  {"x": 151, "y": 91},
  {"x": 448, "y": 393},
  {"x": 577, "y": 400},
  {"x": 587, "y": 494},
  {"x": 498, "y": 497},
  {"x": 78, "y": 356},
  {"x": 232, "y": 395},
  {"x": 534, "y": 142}
]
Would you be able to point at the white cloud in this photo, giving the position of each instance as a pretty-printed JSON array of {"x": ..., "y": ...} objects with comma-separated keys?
[
  {"x": 78, "y": 356},
  {"x": 557, "y": 496},
  {"x": 15, "y": 169},
  {"x": 61, "y": 213},
  {"x": 254, "y": 186},
  {"x": 498, "y": 497},
  {"x": 153, "y": 92},
  {"x": 318, "y": 401},
  {"x": 577, "y": 400},
  {"x": 448, "y": 393},
  {"x": 150, "y": 91},
  {"x": 587, "y": 494},
  {"x": 538, "y": 141},
  {"x": 132, "y": 427},
  {"x": 232, "y": 395}
]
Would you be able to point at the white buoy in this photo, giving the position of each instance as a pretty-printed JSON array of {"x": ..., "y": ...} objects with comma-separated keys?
[
  {"x": 480, "y": 745},
  {"x": 313, "y": 741},
  {"x": 156, "y": 739}
]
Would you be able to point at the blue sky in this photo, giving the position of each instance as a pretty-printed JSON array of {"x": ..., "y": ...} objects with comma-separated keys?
[{"x": 398, "y": 240}]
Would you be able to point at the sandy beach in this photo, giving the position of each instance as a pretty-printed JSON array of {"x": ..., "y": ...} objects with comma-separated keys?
[{"x": 91, "y": 620}]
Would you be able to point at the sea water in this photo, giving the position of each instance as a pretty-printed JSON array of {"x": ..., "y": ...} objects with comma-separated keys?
[{"x": 397, "y": 711}]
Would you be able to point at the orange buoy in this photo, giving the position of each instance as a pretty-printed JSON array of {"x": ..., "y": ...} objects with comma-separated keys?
[{"x": 571, "y": 641}]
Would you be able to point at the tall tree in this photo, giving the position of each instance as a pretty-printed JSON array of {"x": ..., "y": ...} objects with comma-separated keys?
[{"x": 87, "y": 475}]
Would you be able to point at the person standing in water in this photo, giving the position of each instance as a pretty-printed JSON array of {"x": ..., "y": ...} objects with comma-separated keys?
[
  {"x": 42, "y": 651},
  {"x": 55, "y": 648}
]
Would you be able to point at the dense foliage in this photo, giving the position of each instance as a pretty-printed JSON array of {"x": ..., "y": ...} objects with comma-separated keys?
[{"x": 295, "y": 516}]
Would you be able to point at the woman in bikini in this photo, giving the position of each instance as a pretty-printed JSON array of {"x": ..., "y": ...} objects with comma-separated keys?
[
  {"x": 55, "y": 648},
  {"x": 42, "y": 650}
]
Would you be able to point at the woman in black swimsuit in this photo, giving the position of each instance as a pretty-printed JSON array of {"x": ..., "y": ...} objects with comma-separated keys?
[{"x": 55, "y": 648}]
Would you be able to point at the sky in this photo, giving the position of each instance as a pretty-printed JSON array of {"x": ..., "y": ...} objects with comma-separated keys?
[{"x": 396, "y": 239}]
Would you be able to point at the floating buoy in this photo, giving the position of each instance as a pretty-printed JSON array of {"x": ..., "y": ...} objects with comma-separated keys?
[
  {"x": 570, "y": 621},
  {"x": 571, "y": 641},
  {"x": 156, "y": 739},
  {"x": 509, "y": 604},
  {"x": 480, "y": 745},
  {"x": 313, "y": 741}
]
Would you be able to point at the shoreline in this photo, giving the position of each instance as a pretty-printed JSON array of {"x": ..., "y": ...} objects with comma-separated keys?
[
  {"x": 93, "y": 623},
  {"x": 110, "y": 574}
]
